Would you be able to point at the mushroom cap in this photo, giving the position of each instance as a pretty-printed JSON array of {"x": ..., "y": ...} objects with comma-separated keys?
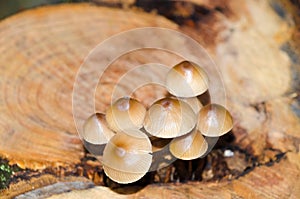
[
  {"x": 214, "y": 120},
  {"x": 95, "y": 129},
  {"x": 189, "y": 146},
  {"x": 194, "y": 103},
  {"x": 186, "y": 79},
  {"x": 169, "y": 118},
  {"x": 125, "y": 113},
  {"x": 127, "y": 156}
]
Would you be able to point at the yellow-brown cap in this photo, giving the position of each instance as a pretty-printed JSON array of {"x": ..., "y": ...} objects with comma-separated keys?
[
  {"x": 214, "y": 120},
  {"x": 189, "y": 146},
  {"x": 125, "y": 113},
  {"x": 95, "y": 129},
  {"x": 127, "y": 156},
  {"x": 169, "y": 118},
  {"x": 186, "y": 79}
]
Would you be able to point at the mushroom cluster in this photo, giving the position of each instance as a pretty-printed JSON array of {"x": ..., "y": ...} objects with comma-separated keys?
[{"x": 127, "y": 131}]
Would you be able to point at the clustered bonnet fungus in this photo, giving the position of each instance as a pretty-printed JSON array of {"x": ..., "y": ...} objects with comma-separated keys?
[
  {"x": 179, "y": 122},
  {"x": 127, "y": 156},
  {"x": 186, "y": 79},
  {"x": 125, "y": 113},
  {"x": 214, "y": 120},
  {"x": 169, "y": 118},
  {"x": 189, "y": 146},
  {"x": 96, "y": 131}
]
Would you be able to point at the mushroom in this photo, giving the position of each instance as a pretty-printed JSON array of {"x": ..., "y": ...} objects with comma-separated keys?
[
  {"x": 127, "y": 156},
  {"x": 169, "y": 118},
  {"x": 186, "y": 79},
  {"x": 125, "y": 113},
  {"x": 214, "y": 120},
  {"x": 95, "y": 130},
  {"x": 189, "y": 146}
]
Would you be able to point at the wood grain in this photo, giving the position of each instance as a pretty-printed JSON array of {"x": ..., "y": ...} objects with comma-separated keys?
[{"x": 41, "y": 51}]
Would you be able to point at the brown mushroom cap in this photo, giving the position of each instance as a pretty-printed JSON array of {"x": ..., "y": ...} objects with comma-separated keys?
[
  {"x": 125, "y": 113},
  {"x": 189, "y": 146},
  {"x": 214, "y": 120},
  {"x": 95, "y": 130},
  {"x": 169, "y": 118},
  {"x": 186, "y": 79},
  {"x": 127, "y": 156}
]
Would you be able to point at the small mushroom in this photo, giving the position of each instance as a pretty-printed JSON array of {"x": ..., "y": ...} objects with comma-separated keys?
[
  {"x": 125, "y": 113},
  {"x": 189, "y": 146},
  {"x": 186, "y": 79},
  {"x": 95, "y": 130},
  {"x": 127, "y": 156},
  {"x": 169, "y": 118},
  {"x": 214, "y": 120}
]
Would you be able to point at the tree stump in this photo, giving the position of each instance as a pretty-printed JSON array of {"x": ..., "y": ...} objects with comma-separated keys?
[{"x": 254, "y": 45}]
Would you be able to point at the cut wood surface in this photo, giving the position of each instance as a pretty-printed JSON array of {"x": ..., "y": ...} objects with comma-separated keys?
[
  {"x": 250, "y": 42},
  {"x": 41, "y": 53}
]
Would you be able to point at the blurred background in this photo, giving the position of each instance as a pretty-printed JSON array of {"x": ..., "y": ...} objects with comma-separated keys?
[{"x": 9, "y": 7}]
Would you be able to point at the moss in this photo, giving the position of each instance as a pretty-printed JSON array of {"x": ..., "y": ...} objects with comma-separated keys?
[
  {"x": 13, "y": 6},
  {"x": 5, "y": 173}
]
